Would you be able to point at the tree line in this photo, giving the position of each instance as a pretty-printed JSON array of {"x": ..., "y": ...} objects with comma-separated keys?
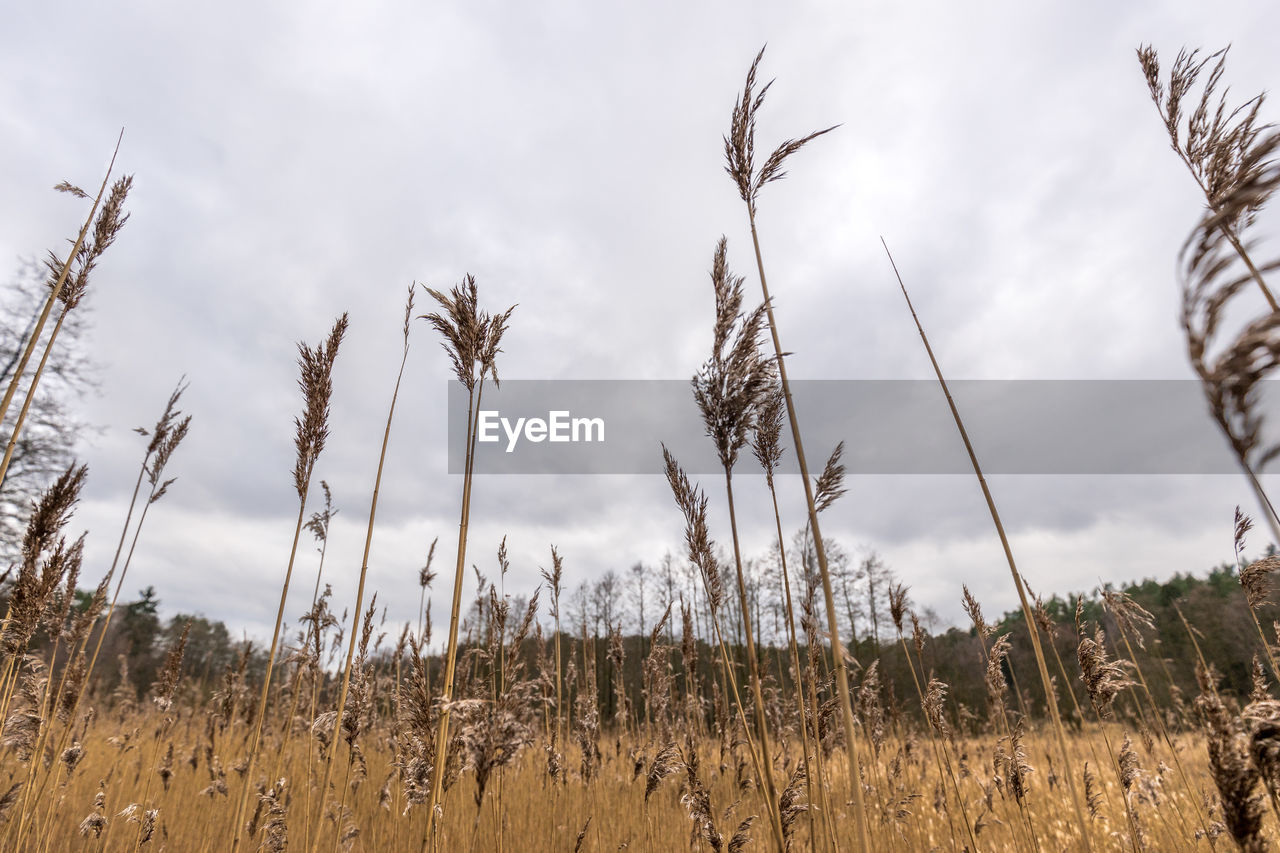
[{"x": 609, "y": 628}]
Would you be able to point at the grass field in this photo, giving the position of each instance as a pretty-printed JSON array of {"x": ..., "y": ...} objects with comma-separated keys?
[{"x": 522, "y": 733}]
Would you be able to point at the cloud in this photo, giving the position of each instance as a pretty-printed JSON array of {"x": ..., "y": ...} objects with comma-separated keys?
[{"x": 292, "y": 166}]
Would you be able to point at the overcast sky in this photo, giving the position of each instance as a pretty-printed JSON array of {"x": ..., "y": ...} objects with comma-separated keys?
[{"x": 293, "y": 162}]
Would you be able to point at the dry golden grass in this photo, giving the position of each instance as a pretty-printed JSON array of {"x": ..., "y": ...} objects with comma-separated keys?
[{"x": 539, "y": 814}]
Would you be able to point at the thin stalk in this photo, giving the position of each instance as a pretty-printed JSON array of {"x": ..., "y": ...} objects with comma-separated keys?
[
  {"x": 828, "y": 818},
  {"x": 451, "y": 655},
  {"x": 315, "y": 701},
  {"x": 56, "y": 290},
  {"x": 364, "y": 571},
  {"x": 124, "y": 532},
  {"x": 1075, "y": 703},
  {"x": 939, "y": 748},
  {"x": 1227, "y": 230},
  {"x": 31, "y": 395},
  {"x": 297, "y": 671},
  {"x": 316, "y": 383},
  {"x": 45, "y": 711},
  {"x": 150, "y": 771},
  {"x": 1268, "y": 510},
  {"x": 742, "y": 714},
  {"x": 795, "y": 662},
  {"x": 237, "y": 828},
  {"x": 1050, "y": 699},
  {"x": 753, "y": 669},
  {"x": 1164, "y": 734},
  {"x": 833, "y": 626},
  {"x": 1115, "y": 767}
]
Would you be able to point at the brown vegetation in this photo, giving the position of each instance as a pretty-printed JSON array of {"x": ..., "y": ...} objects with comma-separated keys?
[{"x": 563, "y": 736}]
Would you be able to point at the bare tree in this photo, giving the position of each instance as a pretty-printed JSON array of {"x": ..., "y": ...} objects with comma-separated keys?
[
  {"x": 639, "y": 583},
  {"x": 45, "y": 446},
  {"x": 667, "y": 588},
  {"x": 847, "y": 578},
  {"x": 604, "y": 602},
  {"x": 580, "y": 605},
  {"x": 877, "y": 577}
]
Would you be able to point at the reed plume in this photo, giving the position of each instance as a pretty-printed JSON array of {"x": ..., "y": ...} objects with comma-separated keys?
[
  {"x": 729, "y": 389},
  {"x": 1225, "y": 149},
  {"x": 553, "y": 580},
  {"x": 472, "y": 340},
  {"x": 163, "y": 690},
  {"x": 110, "y": 221},
  {"x": 426, "y": 577},
  {"x": 58, "y": 282},
  {"x": 45, "y": 560},
  {"x": 1234, "y": 774},
  {"x": 1231, "y": 155},
  {"x": 739, "y": 150},
  {"x": 693, "y": 504},
  {"x": 1255, "y": 581},
  {"x": 163, "y": 439},
  {"x": 312, "y": 431},
  {"x": 364, "y": 561},
  {"x": 1103, "y": 680}
]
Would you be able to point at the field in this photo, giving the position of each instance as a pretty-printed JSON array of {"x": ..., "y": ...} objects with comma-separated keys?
[
  {"x": 533, "y": 729},
  {"x": 526, "y": 809}
]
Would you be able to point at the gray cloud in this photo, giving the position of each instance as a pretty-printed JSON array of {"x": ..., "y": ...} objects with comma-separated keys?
[{"x": 290, "y": 167}]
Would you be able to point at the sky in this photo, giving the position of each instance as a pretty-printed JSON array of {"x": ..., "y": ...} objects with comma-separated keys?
[{"x": 294, "y": 163}]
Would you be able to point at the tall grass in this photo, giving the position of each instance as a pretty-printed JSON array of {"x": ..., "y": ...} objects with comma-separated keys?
[
  {"x": 1046, "y": 682},
  {"x": 316, "y": 383},
  {"x": 61, "y": 268},
  {"x": 364, "y": 570},
  {"x": 729, "y": 390},
  {"x": 551, "y": 744},
  {"x": 472, "y": 340},
  {"x": 739, "y": 147},
  {"x": 1231, "y": 155}
]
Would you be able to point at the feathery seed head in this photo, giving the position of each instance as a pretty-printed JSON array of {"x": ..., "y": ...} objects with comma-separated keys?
[
  {"x": 898, "y": 604},
  {"x": 553, "y": 580},
  {"x": 739, "y": 144},
  {"x": 111, "y": 219},
  {"x": 693, "y": 504},
  {"x": 316, "y": 382},
  {"x": 319, "y": 523},
  {"x": 830, "y": 485},
  {"x": 933, "y": 704},
  {"x": 667, "y": 762},
  {"x": 766, "y": 441},
  {"x": 167, "y": 682},
  {"x": 733, "y": 382},
  {"x": 425, "y": 575},
  {"x": 974, "y": 609},
  {"x": 1131, "y": 616},
  {"x": 1243, "y": 524},
  {"x": 1256, "y": 580},
  {"x": 471, "y": 336},
  {"x": 1103, "y": 678}
]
